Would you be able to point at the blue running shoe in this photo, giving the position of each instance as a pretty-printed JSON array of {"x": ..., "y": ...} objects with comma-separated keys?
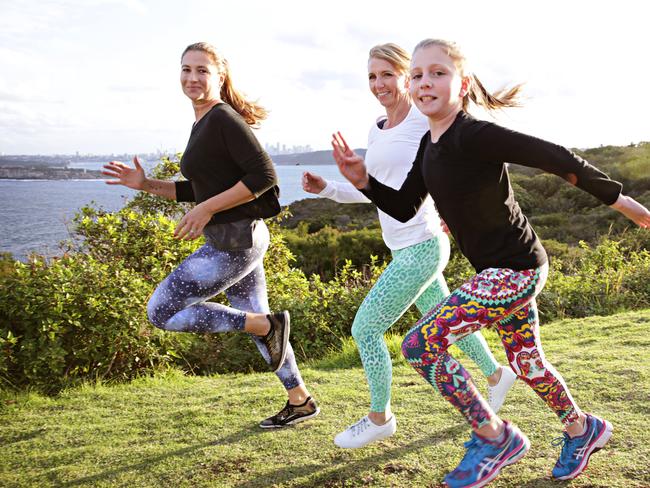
[
  {"x": 484, "y": 459},
  {"x": 576, "y": 450}
]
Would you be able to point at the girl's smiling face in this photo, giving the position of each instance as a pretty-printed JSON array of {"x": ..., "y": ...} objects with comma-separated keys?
[{"x": 436, "y": 86}]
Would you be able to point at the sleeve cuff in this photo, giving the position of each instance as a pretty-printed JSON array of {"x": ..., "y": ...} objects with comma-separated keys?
[
  {"x": 329, "y": 190},
  {"x": 184, "y": 191}
]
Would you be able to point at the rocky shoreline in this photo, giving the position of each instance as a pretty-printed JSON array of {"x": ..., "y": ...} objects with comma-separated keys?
[{"x": 45, "y": 173}]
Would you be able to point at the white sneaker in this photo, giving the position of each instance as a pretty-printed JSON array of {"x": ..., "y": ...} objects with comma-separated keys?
[
  {"x": 364, "y": 432},
  {"x": 497, "y": 393}
]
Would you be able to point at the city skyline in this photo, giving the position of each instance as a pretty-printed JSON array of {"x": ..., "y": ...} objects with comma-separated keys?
[{"x": 277, "y": 148}]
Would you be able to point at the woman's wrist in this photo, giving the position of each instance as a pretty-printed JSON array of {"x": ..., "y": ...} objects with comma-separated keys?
[
  {"x": 620, "y": 203},
  {"x": 146, "y": 185},
  {"x": 363, "y": 184},
  {"x": 209, "y": 206}
]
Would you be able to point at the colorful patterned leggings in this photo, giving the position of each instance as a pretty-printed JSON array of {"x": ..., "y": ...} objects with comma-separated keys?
[
  {"x": 496, "y": 296},
  {"x": 179, "y": 302},
  {"x": 414, "y": 275}
]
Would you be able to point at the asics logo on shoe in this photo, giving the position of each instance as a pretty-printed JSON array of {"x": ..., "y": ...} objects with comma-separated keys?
[
  {"x": 580, "y": 453},
  {"x": 488, "y": 464}
]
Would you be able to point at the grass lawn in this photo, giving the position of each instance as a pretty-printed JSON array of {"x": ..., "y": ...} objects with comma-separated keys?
[{"x": 180, "y": 431}]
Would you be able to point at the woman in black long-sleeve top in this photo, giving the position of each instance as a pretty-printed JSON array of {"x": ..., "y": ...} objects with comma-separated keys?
[
  {"x": 461, "y": 163},
  {"x": 233, "y": 182}
]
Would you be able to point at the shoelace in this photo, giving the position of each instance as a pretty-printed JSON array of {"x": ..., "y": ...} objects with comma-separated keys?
[
  {"x": 565, "y": 441},
  {"x": 359, "y": 427},
  {"x": 475, "y": 449},
  {"x": 285, "y": 412}
]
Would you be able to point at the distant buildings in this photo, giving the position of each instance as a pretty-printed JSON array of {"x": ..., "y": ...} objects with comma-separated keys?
[
  {"x": 277, "y": 148},
  {"x": 64, "y": 160}
]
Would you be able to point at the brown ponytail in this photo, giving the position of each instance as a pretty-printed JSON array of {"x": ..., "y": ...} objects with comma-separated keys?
[
  {"x": 252, "y": 112},
  {"x": 476, "y": 92}
]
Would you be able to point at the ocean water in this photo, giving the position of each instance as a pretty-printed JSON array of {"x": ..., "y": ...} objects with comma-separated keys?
[{"x": 35, "y": 215}]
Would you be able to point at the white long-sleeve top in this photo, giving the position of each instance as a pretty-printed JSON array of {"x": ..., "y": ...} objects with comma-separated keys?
[{"x": 389, "y": 158}]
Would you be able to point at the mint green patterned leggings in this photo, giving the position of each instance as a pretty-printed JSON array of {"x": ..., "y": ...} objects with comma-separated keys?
[{"x": 414, "y": 275}]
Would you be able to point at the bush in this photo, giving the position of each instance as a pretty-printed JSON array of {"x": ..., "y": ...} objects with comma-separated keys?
[
  {"x": 143, "y": 243},
  {"x": 325, "y": 251},
  {"x": 604, "y": 280},
  {"x": 77, "y": 317}
]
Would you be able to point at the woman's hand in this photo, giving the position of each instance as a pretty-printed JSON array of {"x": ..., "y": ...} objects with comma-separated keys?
[
  {"x": 130, "y": 177},
  {"x": 193, "y": 222},
  {"x": 350, "y": 164},
  {"x": 633, "y": 210},
  {"x": 313, "y": 183}
]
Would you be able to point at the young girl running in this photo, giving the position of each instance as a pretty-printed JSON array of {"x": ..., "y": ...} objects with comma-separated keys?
[
  {"x": 419, "y": 247},
  {"x": 460, "y": 162},
  {"x": 233, "y": 182}
]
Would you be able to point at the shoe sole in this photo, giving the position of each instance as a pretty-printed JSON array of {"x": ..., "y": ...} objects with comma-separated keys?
[
  {"x": 598, "y": 444},
  {"x": 512, "y": 459},
  {"x": 293, "y": 422},
  {"x": 285, "y": 340}
]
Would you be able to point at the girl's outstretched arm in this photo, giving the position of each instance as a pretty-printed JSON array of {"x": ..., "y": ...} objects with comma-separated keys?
[
  {"x": 492, "y": 143},
  {"x": 350, "y": 164},
  {"x": 400, "y": 204}
]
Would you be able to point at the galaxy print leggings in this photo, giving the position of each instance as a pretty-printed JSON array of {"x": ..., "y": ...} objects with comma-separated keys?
[
  {"x": 179, "y": 302},
  {"x": 504, "y": 298},
  {"x": 414, "y": 275}
]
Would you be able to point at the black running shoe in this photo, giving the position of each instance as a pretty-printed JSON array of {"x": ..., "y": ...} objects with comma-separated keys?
[
  {"x": 291, "y": 415},
  {"x": 277, "y": 338}
]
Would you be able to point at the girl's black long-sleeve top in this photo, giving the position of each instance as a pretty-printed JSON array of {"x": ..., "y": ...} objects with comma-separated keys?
[
  {"x": 222, "y": 150},
  {"x": 466, "y": 174}
]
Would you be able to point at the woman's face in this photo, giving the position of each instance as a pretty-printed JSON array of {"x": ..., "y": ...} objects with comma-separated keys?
[
  {"x": 436, "y": 86},
  {"x": 200, "y": 78},
  {"x": 385, "y": 82}
]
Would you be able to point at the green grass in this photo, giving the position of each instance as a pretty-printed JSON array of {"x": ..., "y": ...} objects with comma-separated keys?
[{"x": 181, "y": 431}]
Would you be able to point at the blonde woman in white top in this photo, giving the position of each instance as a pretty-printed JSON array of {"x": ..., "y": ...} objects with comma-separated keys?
[{"x": 419, "y": 247}]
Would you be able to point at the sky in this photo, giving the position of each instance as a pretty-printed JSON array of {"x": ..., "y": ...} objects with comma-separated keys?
[{"x": 102, "y": 76}]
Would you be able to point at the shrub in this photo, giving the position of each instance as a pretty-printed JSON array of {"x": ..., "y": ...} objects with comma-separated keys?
[
  {"x": 325, "y": 251},
  {"x": 604, "y": 280},
  {"x": 77, "y": 317}
]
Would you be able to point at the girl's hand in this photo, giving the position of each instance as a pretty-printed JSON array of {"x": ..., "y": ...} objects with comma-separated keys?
[
  {"x": 445, "y": 229},
  {"x": 633, "y": 210},
  {"x": 313, "y": 183},
  {"x": 192, "y": 223},
  {"x": 350, "y": 164},
  {"x": 130, "y": 177}
]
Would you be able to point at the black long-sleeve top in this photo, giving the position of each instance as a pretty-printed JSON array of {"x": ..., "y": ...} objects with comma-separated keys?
[
  {"x": 222, "y": 150},
  {"x": 466, "y": 175}
]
